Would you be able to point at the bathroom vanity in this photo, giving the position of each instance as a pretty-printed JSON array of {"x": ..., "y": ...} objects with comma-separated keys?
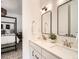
[
  {"x": 43, "y": 49},
  {"x": 66, "y": 33}
]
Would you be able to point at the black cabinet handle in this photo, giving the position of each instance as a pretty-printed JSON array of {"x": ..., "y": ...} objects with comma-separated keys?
[
  {"x": 36, "y": 57},
  {"x": 33, "y": 53}
]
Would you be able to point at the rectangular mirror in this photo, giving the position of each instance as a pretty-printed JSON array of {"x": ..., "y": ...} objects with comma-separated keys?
[
  {"x": 46, "y": 22},
  {"x": 67, "y": 19},
  {"x": 63, "y": 20}
]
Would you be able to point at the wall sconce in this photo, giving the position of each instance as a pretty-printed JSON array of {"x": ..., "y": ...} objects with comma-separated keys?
[{"x": 44, "y": 8}]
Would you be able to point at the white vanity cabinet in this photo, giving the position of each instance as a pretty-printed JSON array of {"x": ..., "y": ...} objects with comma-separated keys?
[
  {"x": 37, "y": 52},
  {"x": 34, "y": 54},
  {"x": 37, "y": 55},
  {"x": 47, "y": 55},
  {"x": 31, "y": 53}
]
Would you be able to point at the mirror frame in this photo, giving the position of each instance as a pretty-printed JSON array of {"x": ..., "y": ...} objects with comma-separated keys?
[
  {"x": 69, "y": 35},
  {"x": 50, "y": 22}
]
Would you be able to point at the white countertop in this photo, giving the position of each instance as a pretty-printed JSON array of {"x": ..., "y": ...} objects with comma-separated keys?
[{"x": 56, "y": 49}]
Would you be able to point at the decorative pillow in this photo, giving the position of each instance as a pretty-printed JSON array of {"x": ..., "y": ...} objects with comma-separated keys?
[
  {"x": 3, "y": 31},
  {"x": 12, "y": 31}
]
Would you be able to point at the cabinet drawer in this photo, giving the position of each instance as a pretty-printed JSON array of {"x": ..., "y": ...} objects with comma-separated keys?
[
  {"x": 48, "y": 55},
  {"x": 37, "y": 55},
  {"x": 36, "y": 47}
]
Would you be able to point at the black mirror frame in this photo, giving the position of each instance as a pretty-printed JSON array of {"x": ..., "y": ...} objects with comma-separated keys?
[{"x": 50, "y": 22}]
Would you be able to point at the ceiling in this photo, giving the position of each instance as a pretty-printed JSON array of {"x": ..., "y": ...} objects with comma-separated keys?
[
  {"x": 15, "y": 6},
  {"x": 12, "y": 6},
  {"x": 46, "y": 2}
]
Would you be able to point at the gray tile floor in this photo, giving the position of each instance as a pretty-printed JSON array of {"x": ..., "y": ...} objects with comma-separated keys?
[{"x": 13, "y": 54}]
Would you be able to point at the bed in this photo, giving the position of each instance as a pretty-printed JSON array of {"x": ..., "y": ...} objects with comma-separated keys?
[
  {"x": 10, "y": 44},
  {"x": 9, "y": 40}
]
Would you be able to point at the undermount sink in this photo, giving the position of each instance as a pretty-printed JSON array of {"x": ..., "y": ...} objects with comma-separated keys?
[
  {"x": 60, "y": 50},
  {"x": 64, "y": 48},
  {"x": 50, "y": 45}
]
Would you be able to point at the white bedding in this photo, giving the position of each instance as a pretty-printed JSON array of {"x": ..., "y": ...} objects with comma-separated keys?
[{"x": 8, "y": 39}]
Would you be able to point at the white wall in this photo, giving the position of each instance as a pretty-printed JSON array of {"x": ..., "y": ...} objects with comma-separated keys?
[
  {"x": 19, "y": 20},
  {"x": 59, "y": 2},
  {"x": 30, "y": 12},
  {"x": 12, "y": 6}
]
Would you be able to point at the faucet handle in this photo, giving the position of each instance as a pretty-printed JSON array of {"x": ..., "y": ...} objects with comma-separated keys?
[
  {"x": 44, "y": 37},
  {"x": 70, "y": 44}
]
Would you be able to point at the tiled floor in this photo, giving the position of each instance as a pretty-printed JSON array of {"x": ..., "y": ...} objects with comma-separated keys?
[{"x": 13, "y": 54}]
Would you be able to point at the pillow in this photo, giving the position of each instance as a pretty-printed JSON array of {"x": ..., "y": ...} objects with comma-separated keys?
[{"x": 3, "y": 31}]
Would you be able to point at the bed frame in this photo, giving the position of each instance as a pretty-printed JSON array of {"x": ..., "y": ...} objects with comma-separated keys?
[{"x": 10, "y": 46}]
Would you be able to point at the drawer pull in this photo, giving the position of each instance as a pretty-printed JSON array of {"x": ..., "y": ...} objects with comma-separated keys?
[
  {"x": 33, "y": 53},
  {"x": 36, "y": 57}
]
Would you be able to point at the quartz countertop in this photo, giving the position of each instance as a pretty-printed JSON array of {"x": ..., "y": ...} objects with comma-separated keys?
[{"x": 56, "y": 49}]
